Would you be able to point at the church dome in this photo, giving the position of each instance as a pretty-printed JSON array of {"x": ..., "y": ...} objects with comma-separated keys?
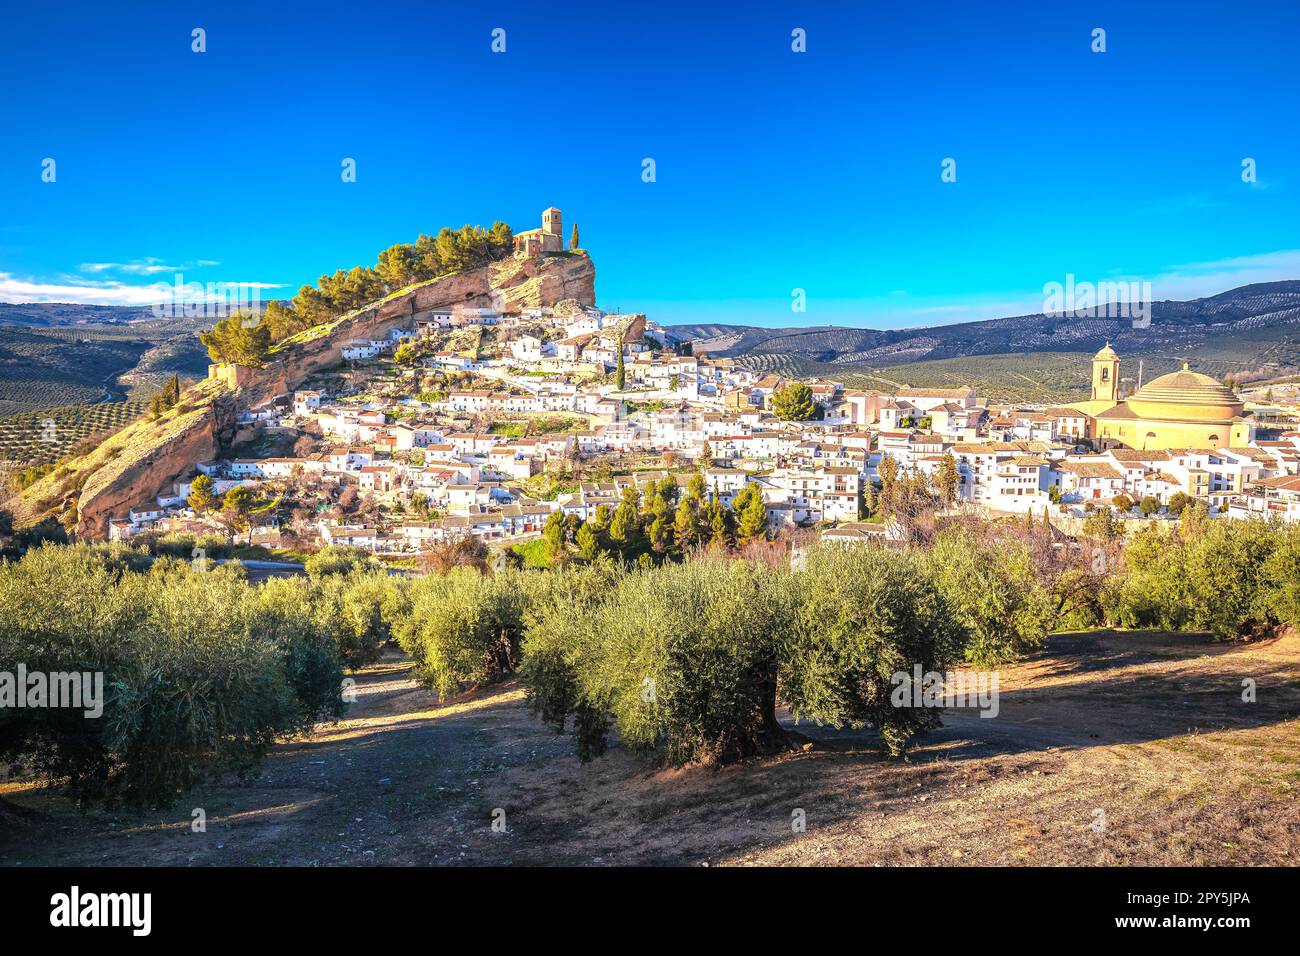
[
  {"x": 1186, "y": 396},
  {"x": 1107, "y": 353}
]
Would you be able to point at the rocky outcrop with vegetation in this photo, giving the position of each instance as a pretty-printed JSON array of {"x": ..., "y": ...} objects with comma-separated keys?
[{"x": 137, "y": 463}]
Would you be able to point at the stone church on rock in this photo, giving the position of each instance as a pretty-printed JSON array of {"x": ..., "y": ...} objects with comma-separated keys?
[{"x": 549, "y": 238}]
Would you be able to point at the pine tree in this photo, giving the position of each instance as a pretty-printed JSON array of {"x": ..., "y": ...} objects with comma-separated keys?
[
  {"x": 660, "y": 534},
  {"x": 794, "y": 403},
  {"x": 553, "y": 532},
  {"x": 753, "y": 516},
  {"x": 625, "y": 529},
  {"x": 685, "y": 523},
  {"x": 588, "y": 542},
  {"x": 201, "y": 498},
  {"x": 888, "y": 470},
  {"x": 718, "y": 523},
  {"x": 695, "y": 487},
  {"x": 947, "y": 478},
  {"x": 167, "y": 398}
]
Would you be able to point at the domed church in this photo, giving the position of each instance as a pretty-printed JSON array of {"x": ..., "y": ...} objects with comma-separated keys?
[{"x": 1183, "y": 409}]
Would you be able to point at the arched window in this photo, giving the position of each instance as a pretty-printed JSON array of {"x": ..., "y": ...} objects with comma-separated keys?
[{"x": 1151, "y": 434}]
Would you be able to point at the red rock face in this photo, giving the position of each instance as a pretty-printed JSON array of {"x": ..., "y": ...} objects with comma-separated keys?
[{"x": 112, "y": 490}]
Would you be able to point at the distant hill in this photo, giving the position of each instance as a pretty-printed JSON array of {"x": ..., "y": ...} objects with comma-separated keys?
[
  {"x": 1174, "y": 325},
  {"x": 1252, "y": 332},
  {"x": 43, "y": 366},
  {"x": 44, "y": 314}
]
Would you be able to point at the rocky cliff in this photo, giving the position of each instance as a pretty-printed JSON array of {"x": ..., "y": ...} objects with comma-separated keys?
[
  {"x": 133, "y": 465},
  {"x": 149, "y": 455},
  {"x": 511, "y": 285}
]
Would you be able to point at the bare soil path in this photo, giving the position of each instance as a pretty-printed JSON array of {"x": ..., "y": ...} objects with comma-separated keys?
[{"x": 1108, "y": 749}]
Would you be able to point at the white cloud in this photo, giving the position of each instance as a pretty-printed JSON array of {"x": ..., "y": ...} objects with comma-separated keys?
[
  {"x": 1180, "y": 282},
  {"x": 1193, "y": 280},
  {"x": 147, "y": 266},
  {"x": 90, "y": 292}
]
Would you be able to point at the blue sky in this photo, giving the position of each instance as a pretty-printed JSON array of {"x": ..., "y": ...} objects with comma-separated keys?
[{"x": 775, "y": 170}]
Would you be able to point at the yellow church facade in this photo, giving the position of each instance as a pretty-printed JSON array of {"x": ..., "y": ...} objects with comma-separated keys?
[{"x": 1183, "y": 409}]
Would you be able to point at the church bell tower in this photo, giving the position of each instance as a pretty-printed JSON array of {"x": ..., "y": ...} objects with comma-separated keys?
[
  {"x": 1105, "y": 375},
  {"x": 551, "y": 224}
]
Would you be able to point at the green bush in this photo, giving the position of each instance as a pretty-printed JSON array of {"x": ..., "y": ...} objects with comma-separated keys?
[
  {"x": 552, "y": 650},
  {"x": 351, "y": 608},
  {"x": 337, "y": 559},
  {"x": 183, "y": 545},
  {"x": 285, "y": 612},
  {"x": 991, "y": 587},
  {"x": 687, "y": 661},
  {"x": 1227, "y": 577},
  {"x": 1281, "y": 572}
]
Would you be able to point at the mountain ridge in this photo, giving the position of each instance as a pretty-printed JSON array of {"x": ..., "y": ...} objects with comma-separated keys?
[{"x": 1175, "y": 325}]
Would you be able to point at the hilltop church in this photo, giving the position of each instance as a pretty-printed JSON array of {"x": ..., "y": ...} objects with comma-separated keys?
[
  {"x": 550, "y": 238},
  {"x": 1183, "y": 409}
]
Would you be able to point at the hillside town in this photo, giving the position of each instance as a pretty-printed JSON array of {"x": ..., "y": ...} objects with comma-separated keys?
[
  {"x": 480, "y": 423},
  {"x": 473, "y": 459}
]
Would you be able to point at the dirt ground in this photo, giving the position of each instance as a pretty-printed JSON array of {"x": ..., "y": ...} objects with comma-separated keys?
[{"x": 1110, "y": 749}]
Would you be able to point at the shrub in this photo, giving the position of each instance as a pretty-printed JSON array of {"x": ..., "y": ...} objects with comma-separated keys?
[
  {"x": 1218, "y": 579},
  {"x": 1102, "y": 524},
  {"x": 1281, "y": 572},
  {"x": 183, "y": 545},
  {"x": 336, "y": 559},
  {"x": 350, "y": 607},
  {"x": 552, "y": 649}
]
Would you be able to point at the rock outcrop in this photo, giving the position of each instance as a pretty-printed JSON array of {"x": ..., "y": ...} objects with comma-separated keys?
[
  {"x": 511, "y": 285},
  {"x": 133, "y": 466}
]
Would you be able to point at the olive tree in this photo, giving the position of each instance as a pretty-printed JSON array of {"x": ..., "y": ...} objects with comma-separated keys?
[{"x": 866, "y": 616}]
